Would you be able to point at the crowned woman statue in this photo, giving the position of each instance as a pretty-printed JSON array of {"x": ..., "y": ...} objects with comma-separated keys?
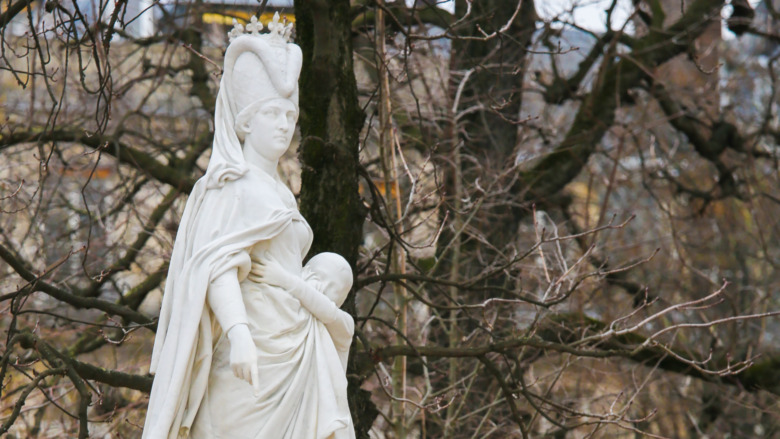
[{"x": 241, "y": 350}]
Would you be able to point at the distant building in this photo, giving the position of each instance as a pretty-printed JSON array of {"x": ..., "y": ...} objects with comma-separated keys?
[
  {"x": 143, "y": 18},
  {"x": 218, "y": 15}
]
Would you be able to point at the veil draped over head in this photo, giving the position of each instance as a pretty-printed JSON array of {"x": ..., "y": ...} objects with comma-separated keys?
[
  {"x": 221, "y": 221},
  {"x": 252, "y": 75}
]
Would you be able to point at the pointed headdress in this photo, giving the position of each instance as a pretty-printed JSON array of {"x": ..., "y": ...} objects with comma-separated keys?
[{"x": 258, "y": 68}]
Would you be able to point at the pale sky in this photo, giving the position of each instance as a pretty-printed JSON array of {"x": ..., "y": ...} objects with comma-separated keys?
[{"x": 590, "y": 14}]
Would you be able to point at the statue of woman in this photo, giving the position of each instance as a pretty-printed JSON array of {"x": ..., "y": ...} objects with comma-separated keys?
[{"x": 236, "y": 356}]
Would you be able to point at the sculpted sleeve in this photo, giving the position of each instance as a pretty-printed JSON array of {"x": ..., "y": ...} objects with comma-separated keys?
[
  {"x": 340, "y": 324},
  {"x": 317, "y": 303},
  {"x": 225, "y": 300},
  {"x": 217, "y": 229}
]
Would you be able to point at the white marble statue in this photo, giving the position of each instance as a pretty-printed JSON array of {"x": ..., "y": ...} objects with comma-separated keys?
[{"x": 250, "y": 344}]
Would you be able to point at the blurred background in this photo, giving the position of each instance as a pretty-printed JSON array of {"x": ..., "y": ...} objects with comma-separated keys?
[{"x": 563, "y": 216}]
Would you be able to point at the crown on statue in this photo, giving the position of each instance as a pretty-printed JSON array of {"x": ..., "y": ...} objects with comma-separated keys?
[{"x": 278, "y": 32}]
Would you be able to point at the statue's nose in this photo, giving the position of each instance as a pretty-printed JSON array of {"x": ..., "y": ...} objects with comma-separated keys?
[{"x": 284, "y": 124}]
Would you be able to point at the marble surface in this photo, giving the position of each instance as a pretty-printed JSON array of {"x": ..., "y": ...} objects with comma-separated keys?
[{"x": 251, "y": 343}]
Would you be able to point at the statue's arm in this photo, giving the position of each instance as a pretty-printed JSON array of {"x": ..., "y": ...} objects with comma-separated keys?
[
  {"x": 318, "y": 304},
  {"x": 341, "y": 331},
  {"x": 272, "y": 273},
  {"x": 224, "y": 299},
  {"x": 340, "y": 325}
]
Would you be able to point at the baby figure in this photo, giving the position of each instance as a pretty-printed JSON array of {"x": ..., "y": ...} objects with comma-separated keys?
[{"x": 323, "y": 286}]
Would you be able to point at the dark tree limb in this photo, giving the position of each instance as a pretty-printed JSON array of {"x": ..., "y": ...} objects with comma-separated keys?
[
  {"x": 142, "y": 161},
  {"x": 135, "y": 249},
  {"x": 37, "y": 284},
  {"x": 597, "y": 112},
  {"x": 509, "y": 394},
  {"x": 22, "y": 398},
  {"x": 142, "y": 383},
  {"x": 399, "y": 16},
  {"x": 13, "y": 11},
  {"x": 562, "y": 329}
]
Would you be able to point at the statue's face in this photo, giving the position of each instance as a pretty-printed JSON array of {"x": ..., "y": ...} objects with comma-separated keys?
[{"x": 271, "y": 128}]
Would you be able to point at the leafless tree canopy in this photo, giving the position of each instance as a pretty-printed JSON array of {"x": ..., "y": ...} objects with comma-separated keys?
[{"x": 556, "y": 231}]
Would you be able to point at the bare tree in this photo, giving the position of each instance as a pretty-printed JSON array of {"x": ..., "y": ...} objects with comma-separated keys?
[{"x": 556, "y": 232}]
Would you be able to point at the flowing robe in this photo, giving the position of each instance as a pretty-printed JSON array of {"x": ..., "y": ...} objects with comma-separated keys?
[{"x": 303, "y": 385}]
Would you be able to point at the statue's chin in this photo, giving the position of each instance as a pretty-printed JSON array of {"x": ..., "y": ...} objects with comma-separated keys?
[
  {"x": 281, "y": 145},
  {"x": 270, "y": 149},
  {"x": 276, "y": 149}
]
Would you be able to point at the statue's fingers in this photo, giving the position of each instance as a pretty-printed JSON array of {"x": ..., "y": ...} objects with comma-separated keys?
[
  {"x": 257, "y": 269},
  {"x": 247, "y": 374},
  {"x": 255, "y": 379},
  {"x": 256, "y": 273}
]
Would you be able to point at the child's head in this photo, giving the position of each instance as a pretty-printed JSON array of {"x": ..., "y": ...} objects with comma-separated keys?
[{"x": 333, "y": 275}]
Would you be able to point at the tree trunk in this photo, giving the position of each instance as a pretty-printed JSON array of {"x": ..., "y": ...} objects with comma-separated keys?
[{"x": 330, "y": 123}]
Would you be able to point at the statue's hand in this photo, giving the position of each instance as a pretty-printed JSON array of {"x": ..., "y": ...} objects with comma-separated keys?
[
  {"x": 271, "y": 272},
  {"x": 243, "y": 355}
]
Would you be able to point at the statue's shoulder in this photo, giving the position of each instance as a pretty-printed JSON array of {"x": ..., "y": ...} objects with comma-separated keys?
[
  {"x": 255, "y": 189},
  {"x": 251, "y": 195}
]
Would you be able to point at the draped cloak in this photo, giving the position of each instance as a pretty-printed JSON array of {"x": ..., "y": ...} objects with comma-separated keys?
[
  {"x": 218, "y": 227},
  {"x": 229, "y": 211}
]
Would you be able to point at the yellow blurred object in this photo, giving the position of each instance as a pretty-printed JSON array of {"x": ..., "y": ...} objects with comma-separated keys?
[
  {"x": 380, "y": 186},
  {"x": 99, "y": 173},
  {"x": 226, "y": 19},
  {"x": 242, "y": 17},
  {"x": 586, "y": 204}
]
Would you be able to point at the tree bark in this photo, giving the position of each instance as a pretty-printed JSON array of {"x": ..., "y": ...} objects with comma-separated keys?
[{"x": 330, "y": 123}]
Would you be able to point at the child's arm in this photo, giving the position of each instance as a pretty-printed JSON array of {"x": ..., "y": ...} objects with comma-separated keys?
[
  {"x": 340, "y": 325},
  {"x": 317, "y": 303},
  {"x": 321, "y": 307},
  {"x": 341, "y": 331}
]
